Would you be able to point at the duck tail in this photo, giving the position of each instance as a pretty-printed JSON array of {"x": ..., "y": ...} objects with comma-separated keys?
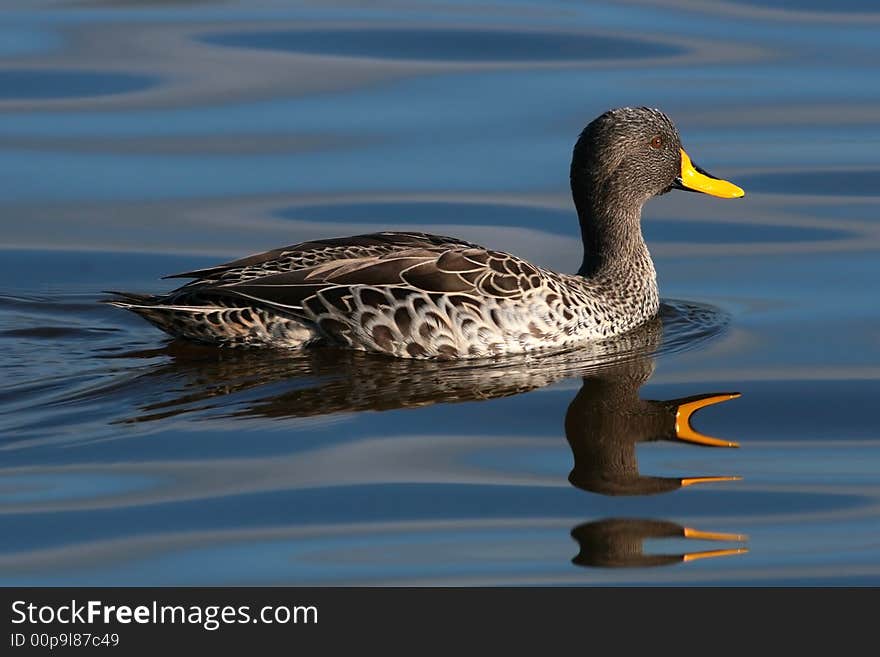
[
  {"x": 125, "y": 299},
  {"x": 216, "y": 323},
  {"x": 178, "y": 320}
]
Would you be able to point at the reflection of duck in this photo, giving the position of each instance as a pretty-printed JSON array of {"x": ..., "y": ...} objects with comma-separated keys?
[
  {"x": 415, "y": 295},
  {"x": 607, "y": 419},
  {"x": 603, "y": 424},
  {"x": 618, "y": 542}
]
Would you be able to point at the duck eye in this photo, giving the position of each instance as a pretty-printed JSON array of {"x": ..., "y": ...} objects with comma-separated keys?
[{"x": 657, "y": 142}]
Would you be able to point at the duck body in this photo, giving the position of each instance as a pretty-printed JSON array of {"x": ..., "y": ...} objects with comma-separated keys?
[
  {"x": 410, "y": 295},
  {"x": 416, "y": 295}
]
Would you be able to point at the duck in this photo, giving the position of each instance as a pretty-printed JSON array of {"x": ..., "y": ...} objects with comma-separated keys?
[{"x": 421, "y": 296}]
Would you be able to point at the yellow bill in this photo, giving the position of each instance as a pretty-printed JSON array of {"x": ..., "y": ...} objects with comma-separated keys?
[{"x": 694, "y": 179}]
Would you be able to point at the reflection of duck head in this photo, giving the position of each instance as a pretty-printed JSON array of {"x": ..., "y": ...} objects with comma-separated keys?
[
  {"x": 618, "y": 542},
  {"x": 606, "y": 420}
]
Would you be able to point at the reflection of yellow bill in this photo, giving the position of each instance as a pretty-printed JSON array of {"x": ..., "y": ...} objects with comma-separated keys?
[
  {"x": 689, "y": 532},
  {"x": 713, "y": 536},
  {"x": 708, "y": 554},
  {"x": 694, "y": 178},
  {"x": 685, "y": 432},
  {"x": 690, "y": 481}
]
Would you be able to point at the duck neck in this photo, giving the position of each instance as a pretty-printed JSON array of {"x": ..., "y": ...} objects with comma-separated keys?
[{"x": 612, "y": 235}]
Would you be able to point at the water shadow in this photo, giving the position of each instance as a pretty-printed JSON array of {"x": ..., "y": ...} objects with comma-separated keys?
[
  {"x": 855, "y": 182},
  {"x": 842, "y": 6},
  {"x": 26, "y": 84}
]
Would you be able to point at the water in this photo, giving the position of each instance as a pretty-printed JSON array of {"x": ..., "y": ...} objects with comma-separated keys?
[{"x": 137, "y": 142}]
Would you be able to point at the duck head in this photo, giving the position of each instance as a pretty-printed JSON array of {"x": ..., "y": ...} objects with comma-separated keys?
[
  {"x": 629, "y": 154},
  {"x": 623, "y": 158}
]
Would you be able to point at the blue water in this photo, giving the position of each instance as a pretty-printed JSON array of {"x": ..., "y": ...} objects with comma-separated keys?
[{"x": 138, "y": 142}]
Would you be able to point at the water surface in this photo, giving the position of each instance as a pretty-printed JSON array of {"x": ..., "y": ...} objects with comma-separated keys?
[{"x": 137, "y": 142}]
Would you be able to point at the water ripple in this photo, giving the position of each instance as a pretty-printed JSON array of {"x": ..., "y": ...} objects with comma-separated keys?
[
  {"x": 209, "y": 130},
  {"x": 414, "y": 213},
  {"x": 835, "y": 182},
  {"x": 455, "y": 45}
]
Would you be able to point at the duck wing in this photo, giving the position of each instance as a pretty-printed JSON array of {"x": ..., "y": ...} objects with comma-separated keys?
[
  {"x": 418, "y": 302},
  {"x": 305, "y": 255},
  {"x": 367, "y": 283}
]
